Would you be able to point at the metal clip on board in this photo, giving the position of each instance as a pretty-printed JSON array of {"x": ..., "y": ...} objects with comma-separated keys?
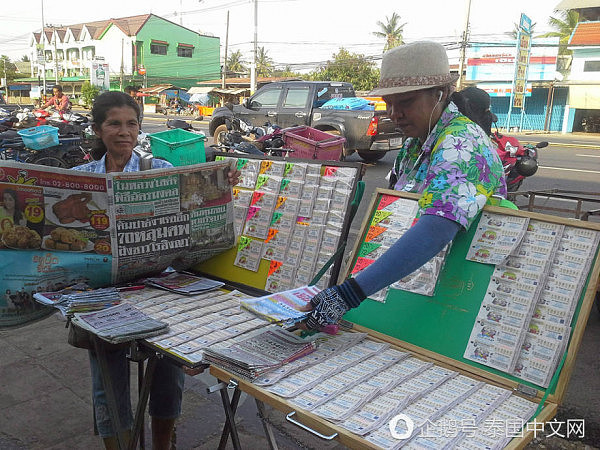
[{"x": 360, "y": 189}]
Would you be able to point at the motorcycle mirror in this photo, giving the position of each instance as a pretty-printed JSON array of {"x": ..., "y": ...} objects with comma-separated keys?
[{"x": 541, "y": 144}]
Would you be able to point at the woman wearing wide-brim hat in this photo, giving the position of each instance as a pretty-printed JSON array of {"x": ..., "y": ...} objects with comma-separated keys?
[{"x": 447, "y": 158}]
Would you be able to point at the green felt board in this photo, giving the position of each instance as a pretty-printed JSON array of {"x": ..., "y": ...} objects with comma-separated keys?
[{"x": 442, "y": 323}]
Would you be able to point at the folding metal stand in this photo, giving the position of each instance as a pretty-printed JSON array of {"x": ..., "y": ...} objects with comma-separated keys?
[
  {"x": 144, "y": 391},
  {"x": 230, "y": 408}
]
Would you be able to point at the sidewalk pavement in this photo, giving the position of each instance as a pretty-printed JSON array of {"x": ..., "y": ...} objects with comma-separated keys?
[{"x": 45, "y": 401}]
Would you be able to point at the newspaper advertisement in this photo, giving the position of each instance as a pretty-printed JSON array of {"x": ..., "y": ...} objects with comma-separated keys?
[{"x": 59, "y": 226}]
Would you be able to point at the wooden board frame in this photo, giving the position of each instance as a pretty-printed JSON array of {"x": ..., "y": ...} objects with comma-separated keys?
[
  {"x": 352, "y": 440},
  {"x": 586, "y": 302}
]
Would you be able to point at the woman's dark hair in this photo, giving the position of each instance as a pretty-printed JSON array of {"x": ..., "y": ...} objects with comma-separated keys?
[
  {"x": 17, "y": 215},
  {"x": 475, "y": 104},
  {"x": 103, "y": 103}
]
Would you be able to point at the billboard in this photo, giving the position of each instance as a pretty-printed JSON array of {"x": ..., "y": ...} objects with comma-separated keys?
[
  {"x": 496, "y": 62},
  {"x": 99, "y": 75},
  {"x": 522, "y": 62},
  {"x": 503, "y": 89}
]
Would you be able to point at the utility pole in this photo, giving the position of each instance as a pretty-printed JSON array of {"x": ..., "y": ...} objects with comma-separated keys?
[
  {"x": 55, "y": 55},
  {"x": 43, "y": 94},
  {"x": 253, "y": 65},
  {"x": 5, "y": 81},
  {"x": 122, "y": 62},
  {"x": 463, "y": 47},
  {"x": 225, "y": 58}
]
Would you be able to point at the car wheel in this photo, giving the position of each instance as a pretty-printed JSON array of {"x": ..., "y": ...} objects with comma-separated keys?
[
  {"x": 371, "y": 156},
  {"x": 219, "y": 134}
]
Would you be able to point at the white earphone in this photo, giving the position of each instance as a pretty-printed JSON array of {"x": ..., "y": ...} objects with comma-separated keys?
[{"x": 441, "y": 95}]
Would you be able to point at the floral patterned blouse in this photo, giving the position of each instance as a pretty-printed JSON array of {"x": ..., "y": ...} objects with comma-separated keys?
[{"x": 456, "y": 170}]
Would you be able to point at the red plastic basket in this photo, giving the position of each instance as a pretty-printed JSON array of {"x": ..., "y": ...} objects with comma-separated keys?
[{"x": 310, "y": 143}]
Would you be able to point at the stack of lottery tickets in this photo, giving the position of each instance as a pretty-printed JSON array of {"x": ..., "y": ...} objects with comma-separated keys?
[
  {"x": 393, "y": 217},
  {"x": 524, "y": 322},
  {"x": 364, "y": 386},
  {"x": 290, "y": 215},
  {"x": 259, "y": 352}
]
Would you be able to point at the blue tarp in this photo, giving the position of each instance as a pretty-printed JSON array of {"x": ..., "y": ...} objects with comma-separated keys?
[{"x": 351, "y": 103}]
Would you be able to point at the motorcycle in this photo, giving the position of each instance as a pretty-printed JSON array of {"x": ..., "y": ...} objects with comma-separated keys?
[
  {"x": 519, "y": 161},
  {"x": 183, "y": 125},
  {"x": 242, "y": 137},
  {"x": 591, "y": 124}
]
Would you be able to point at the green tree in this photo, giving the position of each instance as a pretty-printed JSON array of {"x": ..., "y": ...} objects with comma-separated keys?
[
  {"x": 264, "y": 63},
  {"x": 25, "y": 58},
  {"x": 391, "y": 31},
  {"x": 564, "y": 25},
  {"x": 7, "y": 69},
  {"x": 89, "y": 92},
  {"x": 236, "y": 64},
  {"x": 286, "y": 72},
  {"x": 351, "y": 67}
]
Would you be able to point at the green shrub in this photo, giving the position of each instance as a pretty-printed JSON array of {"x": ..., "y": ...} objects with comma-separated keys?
[{"x": 89, "y": 93}]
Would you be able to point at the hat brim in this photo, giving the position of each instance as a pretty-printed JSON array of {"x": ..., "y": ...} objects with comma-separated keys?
[{"x": 379, "y": 92}]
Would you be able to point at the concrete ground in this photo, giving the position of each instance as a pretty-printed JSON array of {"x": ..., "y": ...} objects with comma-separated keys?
[{"x": 45, "y": 400}]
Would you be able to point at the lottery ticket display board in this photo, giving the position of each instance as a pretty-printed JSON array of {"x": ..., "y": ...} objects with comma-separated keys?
[
  {"x": 515, "y": 283},
  {"x": 511, "y": 297},
  {"x": 290, "y": 217}
]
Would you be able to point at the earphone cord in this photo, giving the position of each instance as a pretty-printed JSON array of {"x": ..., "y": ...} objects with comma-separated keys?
[{"x": 431, "y": 115}]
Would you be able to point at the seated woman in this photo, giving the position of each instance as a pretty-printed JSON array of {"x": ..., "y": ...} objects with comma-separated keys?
[{"x": 116, "y": 117}]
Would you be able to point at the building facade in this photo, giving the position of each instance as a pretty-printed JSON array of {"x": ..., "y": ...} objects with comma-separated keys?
[
  {"x": 491, "y": 67},
  {"x": 584, "y": 79},
  {"x": 144, "y": 49}
]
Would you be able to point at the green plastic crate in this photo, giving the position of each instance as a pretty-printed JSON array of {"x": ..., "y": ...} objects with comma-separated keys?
[{"x": 179, "y": 147}]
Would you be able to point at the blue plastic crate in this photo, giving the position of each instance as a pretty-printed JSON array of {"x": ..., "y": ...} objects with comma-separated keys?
[{"x": 38, "y": 138}]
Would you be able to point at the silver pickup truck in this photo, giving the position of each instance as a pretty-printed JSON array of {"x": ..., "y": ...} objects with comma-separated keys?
[{"x": 296, "y": 103}]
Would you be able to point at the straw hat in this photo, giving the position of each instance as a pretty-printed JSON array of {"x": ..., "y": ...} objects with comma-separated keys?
[{"x": 414, "y": 66}]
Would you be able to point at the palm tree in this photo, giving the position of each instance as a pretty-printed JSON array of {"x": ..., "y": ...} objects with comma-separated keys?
[
  {"x": 391, "y": 31},
  {"x": 264, "y": 63},
  {"x": 564, "y": 26},
  {"x": 236, "y": 64}
]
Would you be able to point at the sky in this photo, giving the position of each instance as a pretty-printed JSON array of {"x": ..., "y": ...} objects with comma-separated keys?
[{"x": 296, "y": 33}]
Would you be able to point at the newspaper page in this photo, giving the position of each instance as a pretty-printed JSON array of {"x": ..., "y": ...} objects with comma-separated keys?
[
  {"x": 178, "y": 217},
  {"x": 59, "y": 227},
  {"x": 120, "y": 323},
  {"x": 262, "y": 351},
  {"x": 54, "y": 226}
]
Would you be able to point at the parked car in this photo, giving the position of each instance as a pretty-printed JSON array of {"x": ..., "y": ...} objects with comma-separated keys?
[{"x": 294, "y": 103}]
